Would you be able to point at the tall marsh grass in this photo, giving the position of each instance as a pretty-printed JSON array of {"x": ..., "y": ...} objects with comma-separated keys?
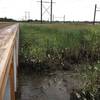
[
  {"x": 57, "y": 46},
  {"x": 81, "y": 42}
]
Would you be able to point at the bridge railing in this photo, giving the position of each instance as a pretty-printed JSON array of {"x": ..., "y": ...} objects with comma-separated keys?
[{"x": 9, "y": 38}]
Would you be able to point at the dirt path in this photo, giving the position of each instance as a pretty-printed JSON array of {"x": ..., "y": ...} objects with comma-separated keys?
[{"x": 55, "y": 86}]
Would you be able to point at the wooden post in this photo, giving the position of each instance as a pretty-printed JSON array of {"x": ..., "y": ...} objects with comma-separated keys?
[{"x": 11, "y": 74}]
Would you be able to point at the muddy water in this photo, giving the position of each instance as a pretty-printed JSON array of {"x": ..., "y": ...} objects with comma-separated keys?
[{"x": 54, "y": 86}]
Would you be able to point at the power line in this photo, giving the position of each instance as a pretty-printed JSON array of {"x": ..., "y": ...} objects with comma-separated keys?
[
  {"x": 46, "y": 9},
  {"x": 62, "y": 18},
  {"x": 27, "y": 15},
  {"x": 46, "y": 2}
]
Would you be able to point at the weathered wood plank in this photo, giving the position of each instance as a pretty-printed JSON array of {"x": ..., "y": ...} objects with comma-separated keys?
[{"x": 9, "y": 35}]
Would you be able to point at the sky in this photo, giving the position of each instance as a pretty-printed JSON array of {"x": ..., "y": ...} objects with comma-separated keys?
[{"x": 74, "y": 10}]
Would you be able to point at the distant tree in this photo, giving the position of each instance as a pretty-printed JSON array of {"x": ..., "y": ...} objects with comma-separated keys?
[{"x": 5, "y": 19}]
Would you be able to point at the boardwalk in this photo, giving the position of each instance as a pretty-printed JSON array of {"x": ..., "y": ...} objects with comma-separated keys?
[{"x": 8, "y": 61}]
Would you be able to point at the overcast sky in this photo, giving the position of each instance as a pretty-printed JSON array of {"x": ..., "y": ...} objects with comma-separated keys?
[{"x": 77, "y": 10}]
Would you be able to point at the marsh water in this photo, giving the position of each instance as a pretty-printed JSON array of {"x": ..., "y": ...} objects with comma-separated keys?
[{"x": 53, "y": 86}]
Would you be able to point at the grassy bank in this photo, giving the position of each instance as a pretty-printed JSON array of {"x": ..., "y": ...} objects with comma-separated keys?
[
  {"x": 62, "y": 46},
  {"x": 81, "y": 42}
]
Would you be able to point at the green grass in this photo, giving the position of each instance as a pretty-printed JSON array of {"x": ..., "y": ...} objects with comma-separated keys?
[
  {"x": 55, "y": 44},
  {"x": 37, "y": 39}
]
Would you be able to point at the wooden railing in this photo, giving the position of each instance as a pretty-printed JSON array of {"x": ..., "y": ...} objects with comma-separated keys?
[{"x": 9, "y": 38}]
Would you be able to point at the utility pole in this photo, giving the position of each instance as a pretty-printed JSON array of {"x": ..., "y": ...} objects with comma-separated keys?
[
  {"x": 44, "y": 9},
  {"x": 95, "y": 13},
  {"x": 28, "y": 15},
  {"x": 51, "y": 13},
  {"x": 64, "y": 18},
  {"x": 41, "y": 11},
  {"x": 25, "y": 15}
]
